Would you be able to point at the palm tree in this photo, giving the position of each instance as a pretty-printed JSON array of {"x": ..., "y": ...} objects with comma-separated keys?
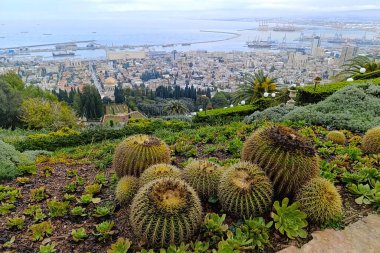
[
  {"x": 254, "y": 87},
  {"x": 352, "y": 68},
  {"x": 175, "y": 107}
]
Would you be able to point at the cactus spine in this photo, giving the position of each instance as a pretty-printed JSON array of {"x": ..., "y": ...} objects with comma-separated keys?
[
  {"x": 288, "y": 158},
  {"x": 136, "y": 153},
  {"x": 203, "y": 176},
  {"x": 165, "y": 211},
  {"x": 245, "y": 191}
]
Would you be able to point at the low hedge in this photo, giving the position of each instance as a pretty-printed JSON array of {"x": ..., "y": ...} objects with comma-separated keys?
[
  {"x": 307, "y": 95},
  {"x": 135, "y": 126},
  {"x": 224, "y": 114}
]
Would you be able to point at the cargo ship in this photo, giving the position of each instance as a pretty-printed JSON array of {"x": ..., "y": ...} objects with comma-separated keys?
[{"x": 63, "y": 53}]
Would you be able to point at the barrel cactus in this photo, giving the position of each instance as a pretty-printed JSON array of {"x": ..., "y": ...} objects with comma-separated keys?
[
  {"x": 371, "y": 141},
  {"x": 126, "y": 189},
  {"x": 336, "y": 137},
  {"x": 288, "y": 158},
  {"x": 136, "y": 153},
  {"x": 158, "y": 171},
  {"x": 320, "y": 200},
  {"x": 165, "y": 211},
  {"x": 203, "y": 176},
  {"x": 245, "y": 191}
]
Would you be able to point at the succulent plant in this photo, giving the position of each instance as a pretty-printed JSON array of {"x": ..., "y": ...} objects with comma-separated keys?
[
  {"x": 158, "y": 171},
  {"x": 320, "y": 200},
  {"x": 136, "y": 153},
  {"x": 245, "y": 190},
  {"x": 288, "y": 158},
  {"x": 371, "y": 141},
  {"x": 289, "y": 220},
  {"x": 203, "y": 176},
  {"x": 126, "y": 189},
  {"x": 336, "y": 137},
  {"x": 166, "y": 211},
  {"x": 355, "y": 140}
]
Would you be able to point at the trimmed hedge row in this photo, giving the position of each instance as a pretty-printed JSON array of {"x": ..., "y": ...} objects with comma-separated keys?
[
  {"x": 308, "y": 95},
  {"x": 224, "y": 114},
  {"x": 90, "y": 135}
]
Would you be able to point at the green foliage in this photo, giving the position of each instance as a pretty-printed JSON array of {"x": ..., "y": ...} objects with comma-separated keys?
[
  {"x": 41, "y": 113},
  {"x": 5, "y": 208},
  {"x": 254, "y": 87},
  {"x": 78, "y": 211},
  {"x": 104, "y": 210},
  {"x": 91, "y": 135},
  {"x": 93, "y": 189},
  {"x": 203, "y": 176},
  {"x": 36, "y": 212},
  {"x": 12, "y": 162},
  {"x": 40, "y": 230},
  {"x": 272, "y": 113},
  {"x": 199, "y": 247},
  {"x": 158, "y": 171},
  {"x": 213, "y": 228},
  {"x": 10, "y": 103},
  {"x": 289, "y": 219},
  {"x": 149, "y": 149},
  {"x": 88, "y": 103},
  {"x": 368, "y": 194},
  {"x": 120, "y": 246},
  {"x": 57, "y": 208},
  {"x": 126, "y": 189},
  {"x": 49, "y": 248},
  {"x": 336, "y": 137},
  {"x": 79, "y": 234},
  {"x": 104, "y": 230},
  {"x": 38, "y": 194},
  {"x": 165, "y": 211},
  {"x": 175, "y": 107},
  {"x": 288, "y": 158},
  {"x": 320, "y": 200},
  {"x": 16, "y": 222},
  {"x": 245, "y": 191},
  {"x": 371, "y": 141},
  {"x": 308, "y": 94},
  {"x": 258, "y": 231},
  {"x": 223, "y": 114}
]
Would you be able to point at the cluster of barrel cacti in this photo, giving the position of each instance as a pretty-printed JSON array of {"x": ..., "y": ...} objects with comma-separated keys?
[{"x": 166, "y": 202}]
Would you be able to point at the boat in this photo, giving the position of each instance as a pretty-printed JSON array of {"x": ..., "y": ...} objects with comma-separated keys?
[
  {"x": 24, "y": 32},
  {"x": 168, "y": 45},
  {"x": 258, "y": 44},
  {"x": 284, "y": 28},
  {"x": 63, "y": 53},
  {"x": 47, "y": 34},
  {"x": 186, "y": 44}
]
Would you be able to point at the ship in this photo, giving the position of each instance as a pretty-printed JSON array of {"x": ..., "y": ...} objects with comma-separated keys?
[
  {"x": 47, "y": 34},
  {"x": 261, "y": 43},
  {"x": 284, "y": 28},
  {"x": 186, "y": 44},
  {"x": 338, "y": 39},
  {"x": 63, "y": 53}
]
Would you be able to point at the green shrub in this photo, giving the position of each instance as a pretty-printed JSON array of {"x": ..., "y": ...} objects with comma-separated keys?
[
  {"x": 288, "y": 158},
  {"x": 11, "y": 161},
  {"x": 214, "y": 228},
  {"x": 120, "y": 246},
  {"x": 353, "y": 108},
  {"x": 224, "y": 114},
  {"x": 308, "y": 95},
  {"x": 245, "y": 191},
  {"x": 165, "y": 211},
  {"x": 149, "y": 150},
  {"x": 258, "y": 231},
  {"x": 91, "y": 135}
]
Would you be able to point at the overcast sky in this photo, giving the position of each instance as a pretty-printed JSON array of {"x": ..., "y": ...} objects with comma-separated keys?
[{"x": 29, "y": 9}]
